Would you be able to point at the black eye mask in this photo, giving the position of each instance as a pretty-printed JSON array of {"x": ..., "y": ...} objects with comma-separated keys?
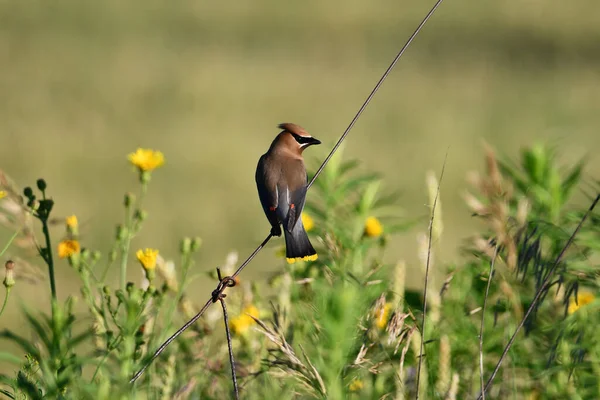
[{"x": 305, "y": 139}]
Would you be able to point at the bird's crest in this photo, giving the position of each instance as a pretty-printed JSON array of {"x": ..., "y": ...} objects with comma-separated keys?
[{"x": 293, "y": 128}]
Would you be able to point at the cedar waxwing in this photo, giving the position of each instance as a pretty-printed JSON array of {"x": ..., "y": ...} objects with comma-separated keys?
[{"x": 281, "y": 181}]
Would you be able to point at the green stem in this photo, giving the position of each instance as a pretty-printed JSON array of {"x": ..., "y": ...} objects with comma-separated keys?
[
  {"x": 5, "y": 301},
  {"x": 48, "y": 257},
  {"x": 129, "y": 235},
  {"x": 124, "y": 255},
  {"x": 109, "y": 263},
  {"x": 111, "y": 347},
  {"x": 186, "y": 262},
  {"x": 12, "y": 238}
]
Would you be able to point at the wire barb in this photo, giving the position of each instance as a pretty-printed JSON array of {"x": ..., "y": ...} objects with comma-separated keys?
[
  {"x": 219, "y": 291},
  {"x": 224, "y": 283}
]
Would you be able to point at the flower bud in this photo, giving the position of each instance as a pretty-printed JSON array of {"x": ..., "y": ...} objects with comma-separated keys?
[
  {"x": 27, "y": 192},
  {"x": 140, "y": 215},
  {"x": 186, "y": 245},
  {"x": 41, "y": 184},
  {"x": 129, "y": 199},
  {"x": 196, "y": 243},
  {"x": 121, "y": 232},
  {"x": 9, "y": 280}
]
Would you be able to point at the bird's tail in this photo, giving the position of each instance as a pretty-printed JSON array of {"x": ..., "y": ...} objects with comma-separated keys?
[{"x": 297, "y": 245}]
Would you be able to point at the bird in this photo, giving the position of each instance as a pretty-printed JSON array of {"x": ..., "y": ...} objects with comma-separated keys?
[{"x": 282, "y": 184}]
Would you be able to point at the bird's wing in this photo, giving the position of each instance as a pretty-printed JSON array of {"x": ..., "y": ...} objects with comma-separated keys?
[
  {"x": 267, "y": 192},
  {"x": 297, "y": 198},
  {"x": 296, "y": 194}
]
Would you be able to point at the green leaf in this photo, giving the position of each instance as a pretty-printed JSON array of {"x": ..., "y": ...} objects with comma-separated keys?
[
  {"x": 79, "y": 338},
  {"x": 347, "y": 188},
  {"x": 512, "y": 172},
  {"x": 39, "y": 330},
  {"x": 21, "y": 342},
  {"x": 572, "y": 179},
  {"x": 388, "y": 199},
  {"x": 368, "y": 197},
  {"x": 11, "y": 358},
  {"x": 348, "y": 166}
]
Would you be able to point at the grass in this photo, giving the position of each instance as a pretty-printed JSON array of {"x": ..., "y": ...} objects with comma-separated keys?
[
  {"x": 344, "y": 326},
  {"x": 85, "y": 83}
]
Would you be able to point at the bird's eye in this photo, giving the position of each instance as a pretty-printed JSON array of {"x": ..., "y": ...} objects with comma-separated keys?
[{"x": 301, "y": 139}]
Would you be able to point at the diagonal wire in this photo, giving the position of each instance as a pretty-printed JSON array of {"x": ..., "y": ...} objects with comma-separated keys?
[
  {"x": 537, "y": 296},
  {"x": 163, "y": 346},
  {"x": 481, "y": 327},
  {"x": 375, "y": 89},
  {"x": 196, "y": 317}
]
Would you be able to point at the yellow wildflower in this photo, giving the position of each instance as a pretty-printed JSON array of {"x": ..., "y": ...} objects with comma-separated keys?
[
  {"x": 535, "y": 395},
  {"x": 146, "y": 159},
  {"x": 583, "y": 298},
  {"x": 71, "y": 222},
  {"x": 240, "y": 324},
  {"x": 373, "y": 227},
  {"x": 381, "y": 315},
  {"x": 2, "y": 194},
  {"x": 356, "y": 385},
  {"x": 147, "y": 258},
  {"x": 67, "y": 248},
  {"x": 308, "y": 222}
]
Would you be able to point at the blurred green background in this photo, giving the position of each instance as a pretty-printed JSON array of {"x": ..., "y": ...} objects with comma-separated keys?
[{"x": 83, "y": 83}]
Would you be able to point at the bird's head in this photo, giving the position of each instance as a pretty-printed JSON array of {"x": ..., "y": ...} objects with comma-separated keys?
[{"x": 294, "y": 138}]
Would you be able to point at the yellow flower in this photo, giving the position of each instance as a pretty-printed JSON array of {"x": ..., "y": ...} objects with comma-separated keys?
[
  {"x": 147, "y": 258},
  {"x": 308, "y": 222},
  {"x": 356, "y": 385},
  {"x": 373, "y": 227},
  {"x": 67, "y": 248},
  {"x": 381, "y": 315},
  {"x": 146, "y": 159},
  {"x": 2, "y": 194},
  {"x": 583, "y": 298},
  {"x": 72, "y": 222},
  {"x": 240, "y": 324}
]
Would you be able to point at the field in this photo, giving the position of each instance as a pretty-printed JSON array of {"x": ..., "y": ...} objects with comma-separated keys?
[{"x": 83, "y": 84}]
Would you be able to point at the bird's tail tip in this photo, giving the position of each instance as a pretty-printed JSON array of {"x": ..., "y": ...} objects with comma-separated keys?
[
  {"x": 312, "y": 257},
  {"x": 298, "y": 246}
]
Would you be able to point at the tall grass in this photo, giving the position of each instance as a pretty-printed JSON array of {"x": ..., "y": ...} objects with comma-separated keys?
[{"x": 343, "y": 326}]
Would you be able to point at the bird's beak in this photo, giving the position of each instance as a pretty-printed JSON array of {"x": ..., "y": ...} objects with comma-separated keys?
[{"x": 313, "y": 141}]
